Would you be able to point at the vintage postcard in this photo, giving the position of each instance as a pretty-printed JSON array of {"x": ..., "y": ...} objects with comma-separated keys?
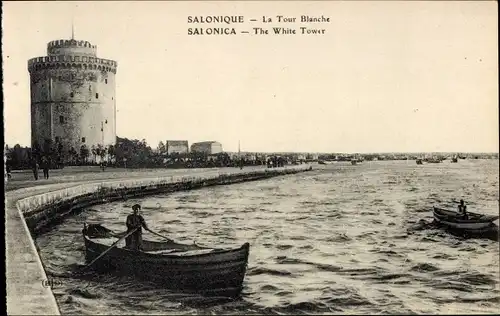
[{"x": 251, "y": 157}]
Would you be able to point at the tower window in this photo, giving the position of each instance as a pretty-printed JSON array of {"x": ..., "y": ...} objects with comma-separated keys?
[
  {"x": 106, "y": 81},
  {"x": 97, "y": 95},
  {"x": 57, "y": 139},
  {"x": 83, "y": 139},
  {"x": 61, "y": 119},
  {"x": 72, "y": 94}
]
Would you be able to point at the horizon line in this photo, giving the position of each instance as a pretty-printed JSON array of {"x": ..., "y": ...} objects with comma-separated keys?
[{"x": 332, "y": 152}]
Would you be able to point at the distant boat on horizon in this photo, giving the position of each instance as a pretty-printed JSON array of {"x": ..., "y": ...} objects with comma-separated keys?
[
  {"x": 433, "y": 160},
  {"x": 325, "y": 162}
]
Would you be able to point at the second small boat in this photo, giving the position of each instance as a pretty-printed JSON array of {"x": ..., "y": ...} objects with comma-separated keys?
[{"x": 473, "y": 223}]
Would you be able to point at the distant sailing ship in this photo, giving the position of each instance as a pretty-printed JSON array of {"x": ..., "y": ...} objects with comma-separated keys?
[{"x": 239, "y": 156}]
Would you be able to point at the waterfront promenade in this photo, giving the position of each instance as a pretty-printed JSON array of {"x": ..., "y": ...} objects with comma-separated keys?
[
  {"x": 24, "y": 178},
  {"x": 26, "y": 293}
]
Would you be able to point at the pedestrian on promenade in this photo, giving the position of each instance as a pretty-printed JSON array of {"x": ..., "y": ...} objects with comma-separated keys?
[
  {"x": 8, "y": 169},
  {"x": 35, "y": 166},
  {"x": 45, "y": 167}
]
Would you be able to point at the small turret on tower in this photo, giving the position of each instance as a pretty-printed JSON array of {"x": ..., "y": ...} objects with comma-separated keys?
[{"x": 71, "y": 47}]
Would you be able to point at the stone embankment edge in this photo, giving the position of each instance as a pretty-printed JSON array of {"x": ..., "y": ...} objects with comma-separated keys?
[
  {"x": 16, "y": 306},
  {"x": 40, "y": 211}
]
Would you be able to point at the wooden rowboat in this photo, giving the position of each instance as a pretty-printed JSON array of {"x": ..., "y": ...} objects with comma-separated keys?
[
  {"x": 473, "y": 222},
  {"x": 187, "y": 268}
]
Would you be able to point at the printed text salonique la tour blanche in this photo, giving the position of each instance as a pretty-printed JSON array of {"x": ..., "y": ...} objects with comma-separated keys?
[{"x": 239, "y": 19}]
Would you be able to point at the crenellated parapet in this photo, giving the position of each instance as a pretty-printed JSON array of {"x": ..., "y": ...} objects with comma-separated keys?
[
  {"x": 72, "y": 62},
  {"x": 71, "y": 54}
]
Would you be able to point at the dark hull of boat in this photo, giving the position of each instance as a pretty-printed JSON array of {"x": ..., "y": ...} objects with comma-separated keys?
[
  {"x": 219, "y": 273},
  {"x": 491, "y": 232},
  {"x": 474, "y": 223}
]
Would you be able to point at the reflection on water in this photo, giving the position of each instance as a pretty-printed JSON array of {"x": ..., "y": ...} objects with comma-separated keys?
[{"x": 339, "y": 239}]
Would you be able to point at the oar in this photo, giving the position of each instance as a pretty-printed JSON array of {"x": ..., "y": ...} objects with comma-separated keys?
[
  {"x": 107, "y": 250},
  {"x": 160, "y": 235},
  {"x": 194, "y": 243}
]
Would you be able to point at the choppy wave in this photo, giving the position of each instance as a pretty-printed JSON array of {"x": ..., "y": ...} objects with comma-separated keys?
[{"x": 340, "y": 239}]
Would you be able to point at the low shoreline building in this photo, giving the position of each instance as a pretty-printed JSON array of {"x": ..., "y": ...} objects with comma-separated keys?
[
  {"x": 177, "y": 147},
  {"x": 208, "y": 147}
]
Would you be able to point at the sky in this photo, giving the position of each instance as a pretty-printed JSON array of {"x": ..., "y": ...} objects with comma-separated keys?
[{"x": 385, "y": 76}]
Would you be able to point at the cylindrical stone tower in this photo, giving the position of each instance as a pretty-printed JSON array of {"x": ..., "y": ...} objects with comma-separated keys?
[{"x": 72, "y": 97}]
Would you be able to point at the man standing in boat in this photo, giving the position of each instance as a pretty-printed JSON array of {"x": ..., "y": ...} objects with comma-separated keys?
[
  {"x": 135, "y": 220},
  {"x": 462, "y": 209}
]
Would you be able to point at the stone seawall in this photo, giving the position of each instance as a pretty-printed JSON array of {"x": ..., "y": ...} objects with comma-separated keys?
[{"x": 41, "y": 211}]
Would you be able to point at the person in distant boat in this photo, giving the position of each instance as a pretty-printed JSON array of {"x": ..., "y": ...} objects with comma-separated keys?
[
  {"x": 135, "y": 220},
  {"x": 462, "y": 209}
]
